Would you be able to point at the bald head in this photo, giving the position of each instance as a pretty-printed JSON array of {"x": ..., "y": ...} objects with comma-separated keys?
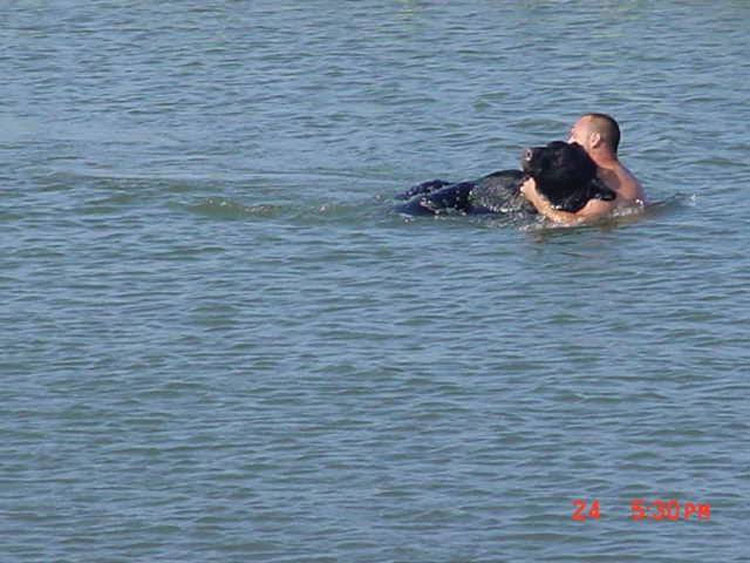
[
  {"x": 607, "y": 128},
  {"x": 596, "y": 131}
]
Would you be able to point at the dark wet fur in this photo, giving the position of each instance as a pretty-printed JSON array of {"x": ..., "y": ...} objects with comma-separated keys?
[{"x": 564, "y": 174}]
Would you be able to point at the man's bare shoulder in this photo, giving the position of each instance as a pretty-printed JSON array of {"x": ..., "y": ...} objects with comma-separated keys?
[{"x": 618, "y": 178}]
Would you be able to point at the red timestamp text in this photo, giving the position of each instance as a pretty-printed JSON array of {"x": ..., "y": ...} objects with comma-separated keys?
[{"x": 642, "y": 509}]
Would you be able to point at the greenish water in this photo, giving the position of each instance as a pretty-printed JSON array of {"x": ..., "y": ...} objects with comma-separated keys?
[{"x": 218, "y": 343}]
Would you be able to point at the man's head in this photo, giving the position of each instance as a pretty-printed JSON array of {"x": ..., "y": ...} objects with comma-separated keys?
[{"x": 596, "y": 132}]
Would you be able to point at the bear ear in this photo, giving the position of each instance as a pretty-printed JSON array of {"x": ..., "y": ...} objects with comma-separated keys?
[
  {"x": 578, "y": 148},
  {"x": 583, "y": 159}
]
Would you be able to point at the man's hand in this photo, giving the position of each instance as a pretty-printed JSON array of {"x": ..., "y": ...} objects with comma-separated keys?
[{"x": 529, "y": 191}]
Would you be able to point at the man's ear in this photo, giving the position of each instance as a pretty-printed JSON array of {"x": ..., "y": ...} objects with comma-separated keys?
[{"x": 595, "y": 139}]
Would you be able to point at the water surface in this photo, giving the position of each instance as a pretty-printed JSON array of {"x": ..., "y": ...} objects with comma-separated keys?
[{"x": 220, "y": 344}]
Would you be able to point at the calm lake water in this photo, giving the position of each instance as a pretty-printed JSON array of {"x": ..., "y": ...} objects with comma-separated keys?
[{"x": 219, "y": 343}]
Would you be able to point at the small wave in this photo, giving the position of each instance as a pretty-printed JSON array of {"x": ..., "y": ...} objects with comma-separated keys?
[
  {"x": 622, "y": 216},
  {"x": 304, "y": 212},
  {"x": 672, "y": 202},
  {"x": 311, "y": 212},
  {"x": 224, "y": 208}
]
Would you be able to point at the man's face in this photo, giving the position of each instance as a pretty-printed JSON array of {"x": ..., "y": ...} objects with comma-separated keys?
[{"x": 579, "y": 133}]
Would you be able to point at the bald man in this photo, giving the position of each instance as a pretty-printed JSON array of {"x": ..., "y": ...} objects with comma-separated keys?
[{"x": 599, "y": 135}]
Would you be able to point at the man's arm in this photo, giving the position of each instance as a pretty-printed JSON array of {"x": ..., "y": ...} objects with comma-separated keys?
[{"x": 593, "y": 210}]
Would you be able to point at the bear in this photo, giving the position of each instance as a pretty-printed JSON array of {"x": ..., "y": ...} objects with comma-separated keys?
[{"x": 564, "y": 174}]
